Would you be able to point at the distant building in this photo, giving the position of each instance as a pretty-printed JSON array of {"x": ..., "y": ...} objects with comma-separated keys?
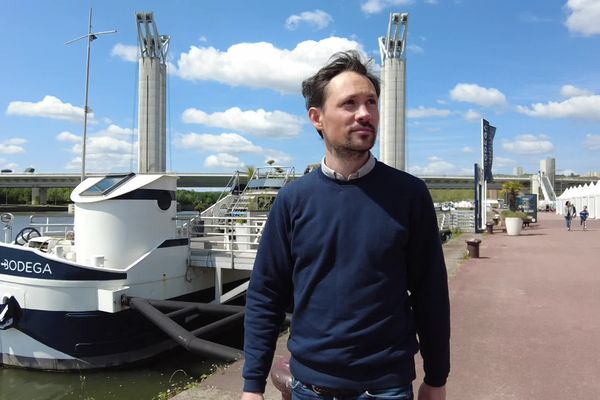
[
  {"x": 518, "y": 171},
  {"x": 548, "y": 168},
  {"x": 593, "y": 174}
]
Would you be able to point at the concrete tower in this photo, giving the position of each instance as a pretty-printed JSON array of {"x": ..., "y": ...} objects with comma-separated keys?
[
  {"x": 152, "y": 95},
  {"x": 548, "y": 168},
  {"x": 392, "y": 125}
]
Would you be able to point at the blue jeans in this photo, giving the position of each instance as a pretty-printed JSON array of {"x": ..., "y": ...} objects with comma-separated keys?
[
  {"x": 300, "y": 391},
  {"x": 568, "y": 221}
]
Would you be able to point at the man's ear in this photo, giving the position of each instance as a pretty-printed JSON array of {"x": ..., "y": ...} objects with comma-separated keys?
[{"x": 314, "y": 114}]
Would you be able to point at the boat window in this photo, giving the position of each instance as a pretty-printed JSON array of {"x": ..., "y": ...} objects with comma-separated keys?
[{"x": 107, "y": 184}]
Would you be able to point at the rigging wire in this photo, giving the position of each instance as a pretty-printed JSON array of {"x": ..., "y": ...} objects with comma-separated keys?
[{"x": 134, "y": 114}]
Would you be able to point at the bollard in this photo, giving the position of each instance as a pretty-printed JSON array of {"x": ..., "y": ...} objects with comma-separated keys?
[
  {"x": 473, "y": 247},
  {"x": 282, "y": 377},
  {"x": 489, "y": 227}
]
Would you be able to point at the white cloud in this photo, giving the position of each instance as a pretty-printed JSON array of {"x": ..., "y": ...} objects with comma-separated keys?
[
  {"x": 106, "y": 150},
  {"x": 116, "y": 131},
  {"x": 15, "y": 141},
  {"x": 424, "y": 112},
  {"x": 415, "y": 49},
  {"x": 376, "y": 6},
  {"x": 584, "y": 17},
  {"x": 473, "y": 115},
  {"x": 223, "y": 143},
  {"x": 12, "y": 146},
  {"x": 66, "y": 136},
  {"x": 467, "y": 149},
  {"x": 592, "y": 141},
  {"x": 473, "y": 93},
  {"x": 49, "y": 107},
  {"x": 6, "y": 165},
  {"x": 318, "y": 19},
  {"x": 260, "y": 65},
  {"x": 280, "y": 158},
  {"x": 529, "y": 144},
  {"x": 581, "y": 107},
  {"x": 223, "y": 160},
  {"x": 530, "y": 18},
  {"x": 125, "y": 52},
  {"x": 573, "y": 91},
  {"x": 259, "y": 122},
  {"x": 501, "y": 162},
  {"x": 435, "y": 166}
]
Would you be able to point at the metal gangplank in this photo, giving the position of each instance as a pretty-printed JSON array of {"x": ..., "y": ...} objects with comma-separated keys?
[
  {"x": 547, "y": 189},
  {"x": 225, "y": 237}
]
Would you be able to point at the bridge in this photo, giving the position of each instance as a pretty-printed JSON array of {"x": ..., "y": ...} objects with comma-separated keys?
[{"x": 41, "y": 182}]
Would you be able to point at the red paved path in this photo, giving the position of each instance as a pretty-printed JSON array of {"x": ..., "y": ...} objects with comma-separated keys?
[
  {"x": 525, "y": 319},
  {"x": 526, "y": 316}
]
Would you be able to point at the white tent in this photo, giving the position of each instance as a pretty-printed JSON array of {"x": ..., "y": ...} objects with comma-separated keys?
[{"x": 580, "y": 196}]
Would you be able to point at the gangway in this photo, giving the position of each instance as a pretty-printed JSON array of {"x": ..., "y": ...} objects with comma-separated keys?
[
  {"x": 547, "y": 189},
  {"x": 230, "y": 231}
]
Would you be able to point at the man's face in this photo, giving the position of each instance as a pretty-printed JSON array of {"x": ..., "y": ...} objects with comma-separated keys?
[{"x": 350, "y": 114}]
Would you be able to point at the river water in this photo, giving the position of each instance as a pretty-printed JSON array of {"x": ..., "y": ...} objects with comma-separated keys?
[{"x": 172, "y": 370}]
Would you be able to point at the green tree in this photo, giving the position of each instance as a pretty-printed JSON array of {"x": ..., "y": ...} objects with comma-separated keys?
[
  {"x": 511, "y": 190},
  {"x": 250, "y": 170}
]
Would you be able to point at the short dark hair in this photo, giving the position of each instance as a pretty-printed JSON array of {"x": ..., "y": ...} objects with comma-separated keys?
[{"x": 313, "y": 88}]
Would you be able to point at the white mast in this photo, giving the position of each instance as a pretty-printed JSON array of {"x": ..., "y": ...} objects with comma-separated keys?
[
  {"x": 90, "y": 37},
  {"x": 392, "y": 138},
  {"x": 152, "y": 95}
]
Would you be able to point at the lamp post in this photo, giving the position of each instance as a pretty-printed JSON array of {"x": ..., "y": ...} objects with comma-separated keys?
[{"x": 91, "y": 36}]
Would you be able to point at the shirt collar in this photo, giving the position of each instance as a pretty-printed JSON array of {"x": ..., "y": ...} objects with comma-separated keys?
[{"x": 362, "y": 171}]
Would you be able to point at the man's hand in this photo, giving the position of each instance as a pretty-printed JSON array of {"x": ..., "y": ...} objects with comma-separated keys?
[
  {"x": 252, "y": 396},
  {"x": 427, "y": 392}
]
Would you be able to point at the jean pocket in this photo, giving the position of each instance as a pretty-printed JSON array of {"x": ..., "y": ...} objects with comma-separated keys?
[
  {"x": 403, "y": 393},
  {"x": 303, "y": 392}
]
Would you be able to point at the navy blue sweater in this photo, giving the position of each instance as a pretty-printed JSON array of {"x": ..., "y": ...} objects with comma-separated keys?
[{"x": 363, "y": 265}]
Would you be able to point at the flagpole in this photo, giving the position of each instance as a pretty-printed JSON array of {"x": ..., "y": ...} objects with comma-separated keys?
[{"x": 483, "y": 205}]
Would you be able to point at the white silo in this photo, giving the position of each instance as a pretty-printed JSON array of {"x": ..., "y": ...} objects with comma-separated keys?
[
  {"x": 152, "y": 95},
  {"x": 392, "y": 125}
]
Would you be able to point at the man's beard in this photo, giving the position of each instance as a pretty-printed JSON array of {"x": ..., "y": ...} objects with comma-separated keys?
[{"x": 350, "y": 150}]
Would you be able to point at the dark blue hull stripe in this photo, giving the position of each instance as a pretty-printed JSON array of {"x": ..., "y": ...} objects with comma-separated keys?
[
  {"x": 28, "y": 264},
  {"x": 147, "y": 194},
  {"x": 98, "y": 339}
]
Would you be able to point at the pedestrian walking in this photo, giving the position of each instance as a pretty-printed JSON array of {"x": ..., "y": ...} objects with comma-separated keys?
[
  {"x": 354, "y": 246},
  {"x": 583, "y": 216},
  {"x": 569, "y": 214}
]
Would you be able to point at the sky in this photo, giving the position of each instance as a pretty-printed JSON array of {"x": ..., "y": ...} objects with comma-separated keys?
[{"x": 531, "y": 68}]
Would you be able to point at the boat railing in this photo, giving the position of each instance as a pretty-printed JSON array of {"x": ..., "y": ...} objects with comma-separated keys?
[
  {"x": 231, "y": 234},
  {"x": 51, "y": 225}
]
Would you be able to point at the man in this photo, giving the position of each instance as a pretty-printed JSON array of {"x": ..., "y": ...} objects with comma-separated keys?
[
  {"x": 354, "y": 246},
  {"x": 570, "y": 213}
]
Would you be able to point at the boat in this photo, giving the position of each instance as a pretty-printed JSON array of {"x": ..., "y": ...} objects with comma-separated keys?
[{"x": 131, "y": 279}]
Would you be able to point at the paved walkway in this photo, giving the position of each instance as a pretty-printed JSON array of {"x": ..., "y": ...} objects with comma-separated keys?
[{"x": 525, "y": 318}]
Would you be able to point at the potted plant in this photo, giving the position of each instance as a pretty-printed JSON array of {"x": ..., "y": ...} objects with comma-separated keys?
[
  {"x": 513, "y": 221},
  {"x": 511, "y": 190}
]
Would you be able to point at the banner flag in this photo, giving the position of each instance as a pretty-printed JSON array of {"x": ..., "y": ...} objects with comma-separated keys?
[{"x": 488, "y": 133}]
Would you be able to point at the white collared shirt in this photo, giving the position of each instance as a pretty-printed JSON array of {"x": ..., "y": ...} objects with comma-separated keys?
[{"x": 362, "y": 171}]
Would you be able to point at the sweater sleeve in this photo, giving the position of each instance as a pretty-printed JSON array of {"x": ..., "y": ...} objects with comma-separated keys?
[
  {"x": 428, "y": 285},
  {"x": 268, "y": 296}
]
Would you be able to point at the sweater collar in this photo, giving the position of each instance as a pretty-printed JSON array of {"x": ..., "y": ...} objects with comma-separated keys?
[{"x": 362, "y": 171}]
